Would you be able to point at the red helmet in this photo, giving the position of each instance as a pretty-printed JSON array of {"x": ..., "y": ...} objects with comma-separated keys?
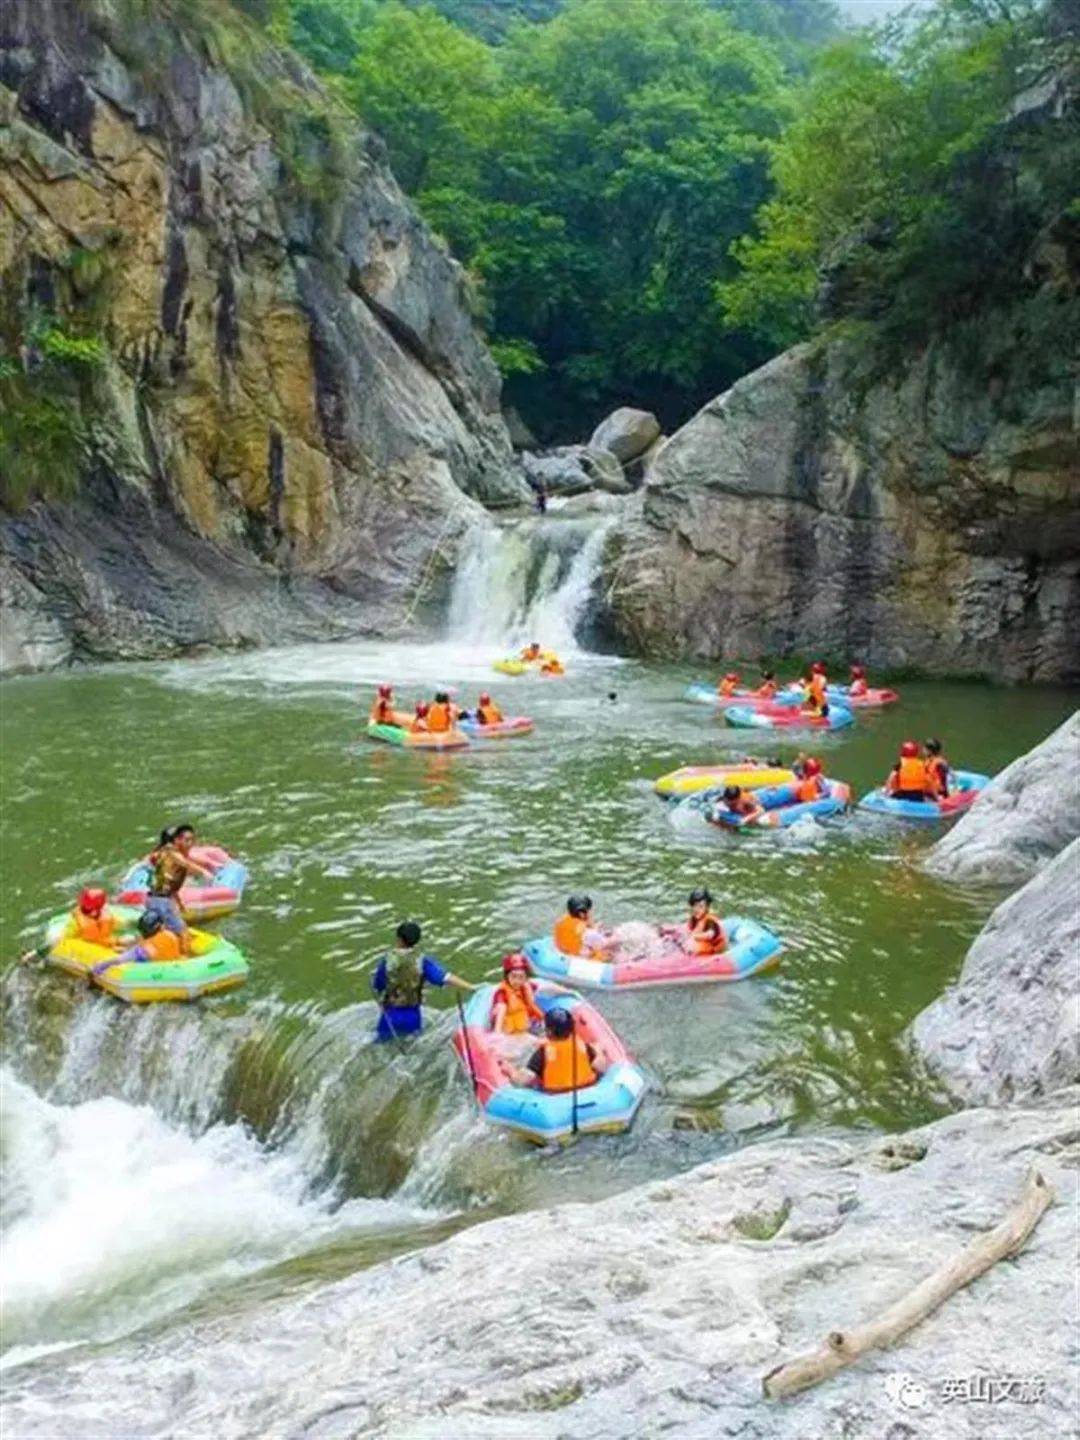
[
  {"x": 485, "y": 698},
  {"x": 92, "y": 901},
  {"x": 812, "y": 766},
  {"x": 516, "y": 961},
  {"x": 385, "y": 691},
  {"x": 421, "y": 707},
  {"x": 818, "y": 667},
  {"x": 858, "y": 671},
  {"x": 731, "y": 675},
  {"x": 909, "y": 749}
]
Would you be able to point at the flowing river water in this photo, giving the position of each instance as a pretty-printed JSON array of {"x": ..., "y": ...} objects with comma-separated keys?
[{"x": 170, "y": 1162}]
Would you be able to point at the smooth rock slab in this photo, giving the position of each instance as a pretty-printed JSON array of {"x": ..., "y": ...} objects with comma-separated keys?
[
  {"x": 654, "y": 1312},
  {"x": 1010, "y": 1028},
  {"x": 1023, "y": 818},
  {"x": 627, "y": 433}
]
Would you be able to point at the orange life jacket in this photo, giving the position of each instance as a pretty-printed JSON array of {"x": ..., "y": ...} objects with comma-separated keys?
[
  {"x": 937, "y": 771},
  {"x": 727, "y": 687},
  {"x": 552, "y": 667},
  {"x": 95, "y": 929},
  {"x": 809, "y": 788},
  {"x": 816, "y": 690},
  {"x": 165, "y": 945},
  {"x": 766, "y": 690},
  {"x": 439, "y": 719},
  {"x": 521, "y": 1007},
  {"x": 569, "y": 935},
  {"x": 561, "y": 1069},
  {"x": 490, "y": 715},
  {"x": 531, "y": 652},
  {"x": 707, "y": 934},
  {"x": 382, "y": 713},
  {"x": 912, "y": 774}
]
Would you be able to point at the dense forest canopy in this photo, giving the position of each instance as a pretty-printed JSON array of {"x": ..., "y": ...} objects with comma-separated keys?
[{"x": 647, "y": 195}]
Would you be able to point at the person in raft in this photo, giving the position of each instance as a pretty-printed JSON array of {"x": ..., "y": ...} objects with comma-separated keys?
[
  {"x": 574, "y": 933},
  {"x": 728, "y": 685},
  {"x": 487, "y": 712},
  {"x": 552, "y": 666},
  {"x": 440, "y": 716},
  {"x": 815, "y": 702},
  {"x": 399, "y": 982},
  {"x": 704, "y": 930},
  {"x": 156, "y": 942},
  {"x": 563, "y": 1061},
  {"x": 938, "y": 769},
  {"x": 532, "y": 651},
  {"x": 418, "y": 725},
  {"x": 909, "y": 778},
  {"x": 767, "y": 687},
  {"x": 171, "y": 866},
  {"x": 740, "y": 802},
  {"x": 382, "y": 712},
  {"x": 88, "y": 922},
  {"x": 811, "y": 782},
  {"x": 857, "y": 685}
]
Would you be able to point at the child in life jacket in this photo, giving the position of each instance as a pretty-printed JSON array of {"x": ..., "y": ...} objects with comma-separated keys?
[
  {"x": 858, "y": 684},
  {"x": 728, "y": 685},
  {"x": 419, "y": 724},
  {"x": 938, "y": 769},
  {"x": 382, "y": 711},
  {"x": 487, "y": 712},
  {"x": 156, "y": 943},
  {"x": 514, "y": 1010},
  {"x": 811, "y": 783},
  {"x": 767, "y": 687},
  {"x": 440, "y": 716},
  {"x": 909, "y": 778},
  {"x": 737, "y": 801},
  {"x": 815, "y": 691},
  {"x": 89, "y": 922},
  {"x": 552, "y": 666},
  {"x": 563, "y": 1061},
  {"x": 704, "y": 930},
  {"x": 532, "y": 651},
  {"x": 574, "y": 933}
]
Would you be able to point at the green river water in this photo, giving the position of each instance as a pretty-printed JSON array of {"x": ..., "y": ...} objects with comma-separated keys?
[{"x": 258, "y": 1141}]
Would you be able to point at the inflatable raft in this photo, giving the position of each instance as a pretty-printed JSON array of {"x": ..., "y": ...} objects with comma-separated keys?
[
  {"x": 515, "y": 665},
  {"x": 964, "y": 787},
  {"x": 776, "y": 716},
  {"x": 782, "y": 808},
  {"x": 691, "y": 779},
  {"x": 216, "y": 965},
  {"x": 698, "y": 693},
  {"x": 751, "y": 949},
  {"x": 417, "y": 739},
  {"x": 605, "y": 1107},
  {"x": 841, "y": 695},
  {"x": 198, "y": 901},
  {"x": 504, "y": 730}
]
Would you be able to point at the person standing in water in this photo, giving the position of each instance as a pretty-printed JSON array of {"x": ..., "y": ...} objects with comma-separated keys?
[{"x": 399, "y": 982}]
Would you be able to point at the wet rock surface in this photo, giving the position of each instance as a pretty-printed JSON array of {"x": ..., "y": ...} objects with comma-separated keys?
[{"x": 657, "y": 1310}]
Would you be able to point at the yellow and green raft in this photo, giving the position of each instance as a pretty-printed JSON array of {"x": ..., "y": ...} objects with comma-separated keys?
[{"x": 215, "y": 965}]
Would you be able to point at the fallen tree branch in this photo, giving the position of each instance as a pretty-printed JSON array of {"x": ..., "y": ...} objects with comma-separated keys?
[{"x": 844, "y": 1347}]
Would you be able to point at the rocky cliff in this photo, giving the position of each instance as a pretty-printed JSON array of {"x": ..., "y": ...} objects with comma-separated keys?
[
  {"x": 243, "y": 396},
  {"x": 914, "y": 510}
]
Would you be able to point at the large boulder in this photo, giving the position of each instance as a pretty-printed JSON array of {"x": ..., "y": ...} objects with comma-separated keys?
[
  {"x": 654, "y": 1312},
  {"x": 1023, "y": 818},
  {"x": 573, "y": 469},
  {"x": 1009, "y": 1029},
  {"x": 626, "y": 433}
]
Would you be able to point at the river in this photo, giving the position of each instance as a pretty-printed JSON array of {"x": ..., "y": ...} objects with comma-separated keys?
[{"x": 172, "y": 1162}]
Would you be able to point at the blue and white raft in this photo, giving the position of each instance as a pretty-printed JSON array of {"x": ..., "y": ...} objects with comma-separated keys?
[
  {"x": 605, "y": 1107},
  {"x": 781, "y": 807},
  {"x": 964, "y": 788}
]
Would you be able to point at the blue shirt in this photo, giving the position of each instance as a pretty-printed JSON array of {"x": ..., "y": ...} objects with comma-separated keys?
[{"x": 398, "y": 1020}]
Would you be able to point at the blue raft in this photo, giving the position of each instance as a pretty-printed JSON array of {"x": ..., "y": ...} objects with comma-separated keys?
[
  {"x": 777, "y": 716},
  {"x": 605, "y": 1107},
  {"x": 782, "y": 808},
  {"x": 964, "y": 788}
]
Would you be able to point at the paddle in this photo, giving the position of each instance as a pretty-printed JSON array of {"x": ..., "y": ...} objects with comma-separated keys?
[
  {"x": 468, "y": 1050},
  {"x": 573, "y": 1076}
]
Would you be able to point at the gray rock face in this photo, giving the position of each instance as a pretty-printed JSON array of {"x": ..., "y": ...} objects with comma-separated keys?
[
  {"x": 924, "y": 515},
  {"x": 655, "y": 1312},
  {"x": 626, "y": 433},
  {"x": 1023, "y": 818},
  {"x": 1010, "y": 1028},
  {"x": 296, "y": 417},
  {"x": 573, "y": 469}
]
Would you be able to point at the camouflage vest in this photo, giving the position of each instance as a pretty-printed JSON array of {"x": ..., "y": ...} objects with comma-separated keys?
[{"x": 404, "y": 979}]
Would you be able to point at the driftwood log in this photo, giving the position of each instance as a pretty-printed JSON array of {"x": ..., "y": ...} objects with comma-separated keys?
[{"x": 844, "y": 1347}]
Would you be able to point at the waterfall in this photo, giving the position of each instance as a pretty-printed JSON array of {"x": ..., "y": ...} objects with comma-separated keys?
[{"x": 531, "y": 580}]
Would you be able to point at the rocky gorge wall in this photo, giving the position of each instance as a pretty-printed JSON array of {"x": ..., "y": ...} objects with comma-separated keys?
[
  {"x": 919, "y": 511},
  {"x": 293, "y": 418}
]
